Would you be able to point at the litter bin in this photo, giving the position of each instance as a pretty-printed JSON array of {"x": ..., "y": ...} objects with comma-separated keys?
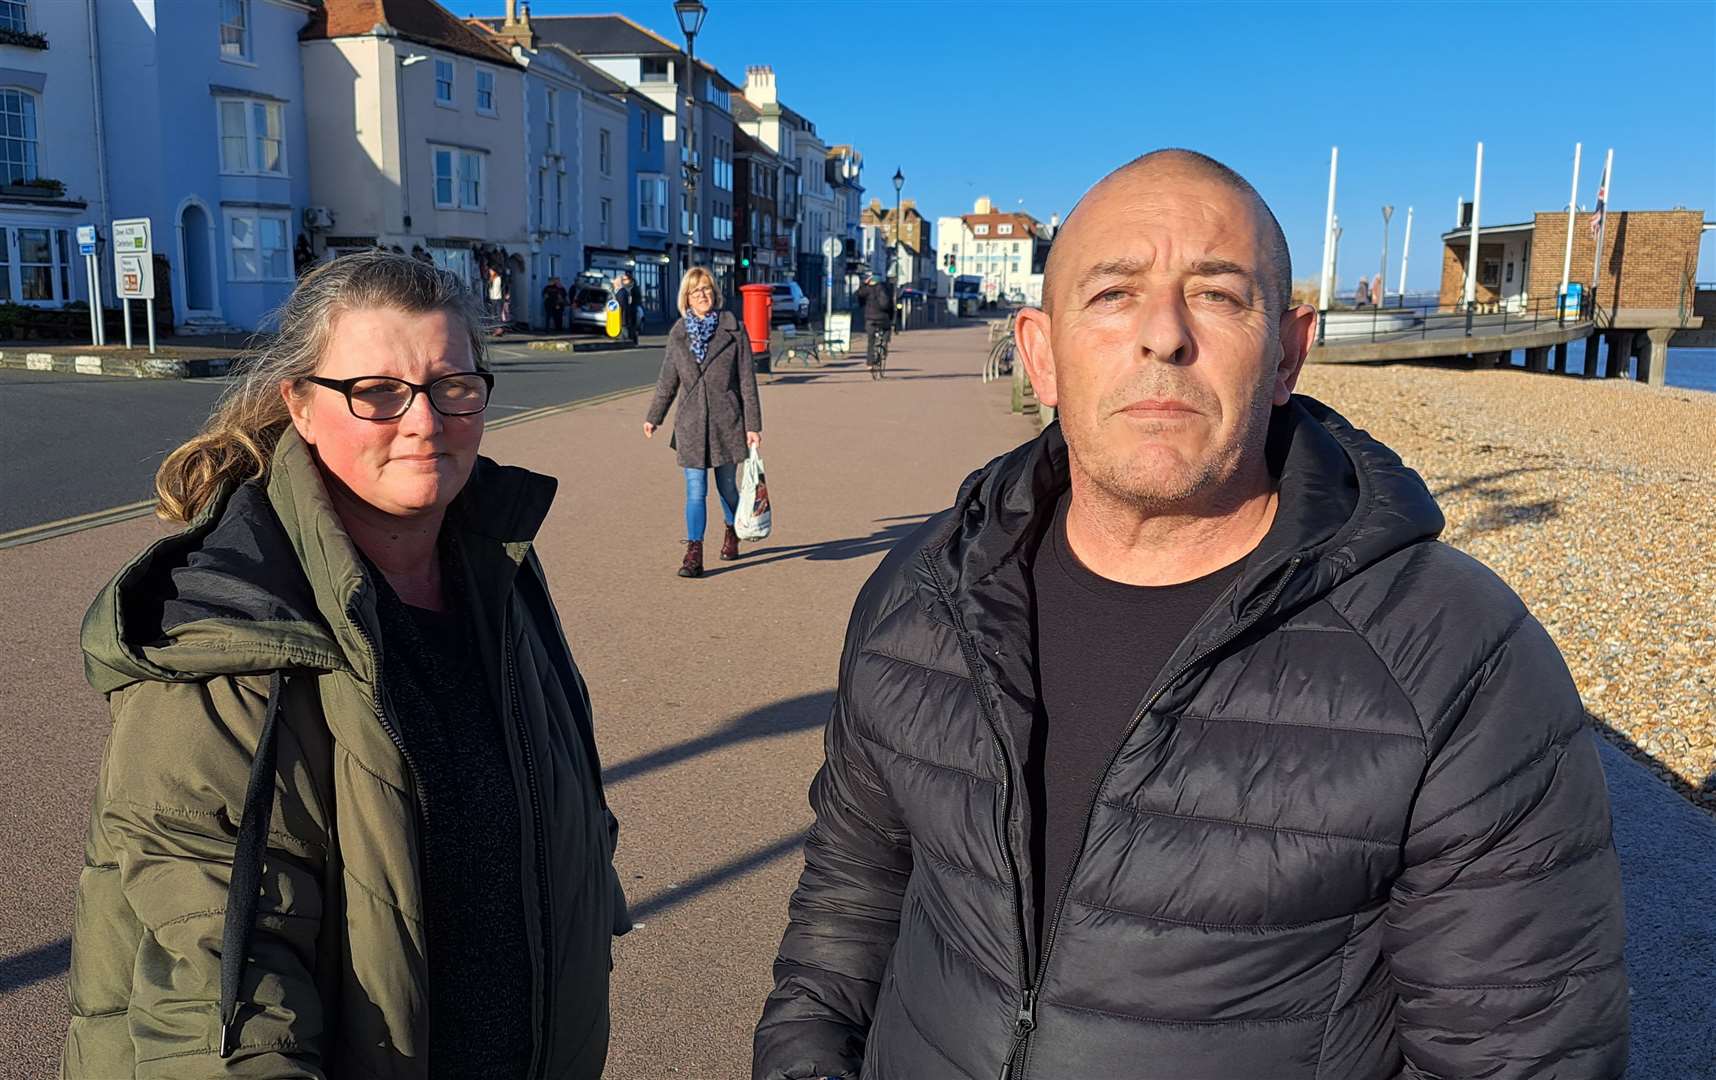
[{"x": 759, "y": 306}]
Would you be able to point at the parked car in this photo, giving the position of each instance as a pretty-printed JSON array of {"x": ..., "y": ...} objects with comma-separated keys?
[
  {"x": 587, "y": 307},
  {"x": 790, "y": 305}
]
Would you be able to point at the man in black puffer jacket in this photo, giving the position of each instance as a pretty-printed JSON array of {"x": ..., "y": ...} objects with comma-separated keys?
[{"x": 1179, "y": 748}]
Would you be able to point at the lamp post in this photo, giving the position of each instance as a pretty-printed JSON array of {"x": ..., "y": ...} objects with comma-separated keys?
[
  {"x": 1382, "y": 276},
  {"x": 405, "y": 61},
  {"x": 899, "y": 186},
  {"x": 690, "y": 14}
]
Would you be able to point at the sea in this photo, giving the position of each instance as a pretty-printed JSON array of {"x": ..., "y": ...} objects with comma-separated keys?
[{"x": 1688, "y": 369}]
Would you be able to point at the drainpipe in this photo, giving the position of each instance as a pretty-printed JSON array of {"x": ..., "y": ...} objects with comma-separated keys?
[{"x": 100, "y": 138}]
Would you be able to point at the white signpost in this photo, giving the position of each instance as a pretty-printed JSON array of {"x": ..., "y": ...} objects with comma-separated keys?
[
  {"x": 134, "y": 271},
  {"x": 831, "y": 249},
  {"x": 86, "y": 241}
]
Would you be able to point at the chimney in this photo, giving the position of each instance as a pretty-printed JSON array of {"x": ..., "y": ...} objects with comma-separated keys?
[
  {"x": 1054, "y": 223},
  {"x": 983, "y": 205},
  {"x": 516, "y": 28},
  {"x": 908, "y": 204},
  {"x": 760, "y": 85}
]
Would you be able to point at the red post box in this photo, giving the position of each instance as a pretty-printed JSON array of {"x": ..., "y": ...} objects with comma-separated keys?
[{"x": 759, "y": 309}]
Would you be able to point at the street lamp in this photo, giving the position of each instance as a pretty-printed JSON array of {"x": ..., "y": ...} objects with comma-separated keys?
[
  {"x": 690, "y": 14},
  {"x": 1387, "y": 212},
  {"x": 899, "y": 186},
  {"x": 405, "y": 61}
]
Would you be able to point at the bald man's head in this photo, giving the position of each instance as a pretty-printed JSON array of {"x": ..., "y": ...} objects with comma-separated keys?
[{"x": 1277, "y": 269}]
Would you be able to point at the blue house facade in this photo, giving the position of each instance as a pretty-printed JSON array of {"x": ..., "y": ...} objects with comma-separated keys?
[
  {"x": 203, "y": 111},
  {"x": 649, "y": 203},
  {"x": 51, "y": 169}
]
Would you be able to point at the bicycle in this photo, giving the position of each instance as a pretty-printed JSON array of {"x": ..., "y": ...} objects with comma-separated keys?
[{"x": 880, "y": 338}]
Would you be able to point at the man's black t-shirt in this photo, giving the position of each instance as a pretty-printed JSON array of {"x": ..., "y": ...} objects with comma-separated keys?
[{"x": 1100, "y": 646}]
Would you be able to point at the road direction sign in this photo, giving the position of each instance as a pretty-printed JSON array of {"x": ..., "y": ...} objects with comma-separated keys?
[
  {"x": 133, "y": 262},
  {"x": 86, "y": 239}
]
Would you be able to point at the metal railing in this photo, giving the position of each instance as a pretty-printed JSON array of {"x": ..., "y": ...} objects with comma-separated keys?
[{"x": 1479, "y": 318}]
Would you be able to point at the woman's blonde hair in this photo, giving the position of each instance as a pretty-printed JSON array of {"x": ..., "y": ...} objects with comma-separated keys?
[
  {"x": 237, "y": 442},
  {"x": 694, "y": 277}
]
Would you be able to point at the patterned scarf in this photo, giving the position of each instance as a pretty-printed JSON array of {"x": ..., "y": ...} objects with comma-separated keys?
[{"x": 700, "y": 328}]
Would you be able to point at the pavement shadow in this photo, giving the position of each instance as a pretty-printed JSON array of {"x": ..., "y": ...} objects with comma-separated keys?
[
  {"x": 728, "y": 871},
  {"x": 1702, "y": 796},
  {"x": 32, "y": 966},
  {"x": 1666, "y": 849},
  {"x": 853, "y": 547},
  {"x": 782, "y": 718}
]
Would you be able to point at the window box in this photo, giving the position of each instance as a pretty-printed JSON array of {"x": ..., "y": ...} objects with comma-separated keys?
[
  {"x": 22, "y": 38},
  {"x": 39, "y": 188}
]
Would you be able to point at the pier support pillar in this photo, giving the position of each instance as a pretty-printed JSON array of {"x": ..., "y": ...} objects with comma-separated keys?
[
  {"x": 1537, "y": 359},
  {"x": 1559, "y": 363},
  {"x": 1593, "y": 345},
  {"x": 1620, "y": 351},
  {"x": 1653, "y": 360}
]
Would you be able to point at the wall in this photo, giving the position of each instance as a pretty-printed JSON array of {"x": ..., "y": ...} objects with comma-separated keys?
[
  {"x": 602, "y": 113},
  {"x": 58, "y": 79},
  {"x": 1653, "y": 255},
  {"x": 354, "y": 159}
]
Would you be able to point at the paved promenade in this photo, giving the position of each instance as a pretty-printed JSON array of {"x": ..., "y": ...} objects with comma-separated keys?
[{"x": 710, "y": 697}]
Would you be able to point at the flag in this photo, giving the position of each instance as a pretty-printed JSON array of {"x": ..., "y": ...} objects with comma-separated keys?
[{"x": 1597, "y": 218}]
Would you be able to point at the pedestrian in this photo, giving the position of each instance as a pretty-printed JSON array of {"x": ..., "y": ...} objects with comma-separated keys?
[
  {"x": 1376, "y": 290},
  {"x": 554, "y": 303},
  {"x": 623, "y": 298},
  {"x": 497, "y": 293},
  {"x": 303, "y": 256},
  {"x": 632, "y": 306},
  {"x": 1361, "y": 294},
  {"x": 505, "y": 274},
  {"x": 708, "y": 367},
  {"x": 350, "y": 819},
  {"x": 1180, "y": 745}
]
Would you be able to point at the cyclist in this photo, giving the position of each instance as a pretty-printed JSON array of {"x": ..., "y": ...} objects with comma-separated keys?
[{"x": 877, "y": 296}]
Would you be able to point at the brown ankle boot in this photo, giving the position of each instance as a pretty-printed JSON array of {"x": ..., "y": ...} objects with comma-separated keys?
[
  {"x": 730, "y": 545},
  {"x": 693, "y": 564}
]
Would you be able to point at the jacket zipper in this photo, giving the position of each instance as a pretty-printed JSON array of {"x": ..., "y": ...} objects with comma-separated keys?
[
  {"x": 1027, "y": 1012},
  {"x": 544, "y": 882},
  {"x": 1061, "y": 902},
  {"x": 376, "y": 696},
  {"x": 1026, "y": 1022}
]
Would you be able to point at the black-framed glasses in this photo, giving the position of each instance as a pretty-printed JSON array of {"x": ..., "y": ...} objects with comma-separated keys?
[{"x": 383, "y": 397}]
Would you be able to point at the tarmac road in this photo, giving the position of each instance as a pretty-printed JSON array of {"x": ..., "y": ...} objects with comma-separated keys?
[{"x": 76, "y": 444}]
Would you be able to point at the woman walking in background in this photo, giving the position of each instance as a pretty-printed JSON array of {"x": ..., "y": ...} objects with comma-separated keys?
[
  {"x": 708, "y": 367},
  {"x": 350, "y": 817}
]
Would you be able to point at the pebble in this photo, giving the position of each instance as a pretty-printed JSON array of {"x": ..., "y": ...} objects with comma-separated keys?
[{"x": 1594, "y": 500}]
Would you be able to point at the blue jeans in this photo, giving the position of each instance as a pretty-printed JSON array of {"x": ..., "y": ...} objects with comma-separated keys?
[{"x": 697, "y": 497}]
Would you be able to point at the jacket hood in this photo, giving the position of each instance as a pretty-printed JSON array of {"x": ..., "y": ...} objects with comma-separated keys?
[
  {"x": 1346, "y": 503},
  {"x": 266, "y": 578}
]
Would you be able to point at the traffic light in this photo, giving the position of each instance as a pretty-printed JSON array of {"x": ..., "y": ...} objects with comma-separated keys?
[{"x": 745, "y": 253}]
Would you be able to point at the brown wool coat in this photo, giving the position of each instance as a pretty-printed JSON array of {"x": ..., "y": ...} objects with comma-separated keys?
[{"x": 717, "y": 399}]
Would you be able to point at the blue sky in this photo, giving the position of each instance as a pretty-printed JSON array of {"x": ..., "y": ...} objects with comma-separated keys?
[{"x": 1031, "y": 103}]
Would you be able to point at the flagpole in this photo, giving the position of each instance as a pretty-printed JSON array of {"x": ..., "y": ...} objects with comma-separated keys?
[
  {"x": 1603, "y": 200},
  {"x": 1405, "y": 249},
  {"x": 1572, "y": 215},
  {"x": 1328, "y": 233},
  {"x": 1472, "y": 248}
]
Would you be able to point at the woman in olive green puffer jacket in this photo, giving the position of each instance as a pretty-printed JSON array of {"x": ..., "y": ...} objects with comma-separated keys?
[{"x": 271, "y": 887}]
